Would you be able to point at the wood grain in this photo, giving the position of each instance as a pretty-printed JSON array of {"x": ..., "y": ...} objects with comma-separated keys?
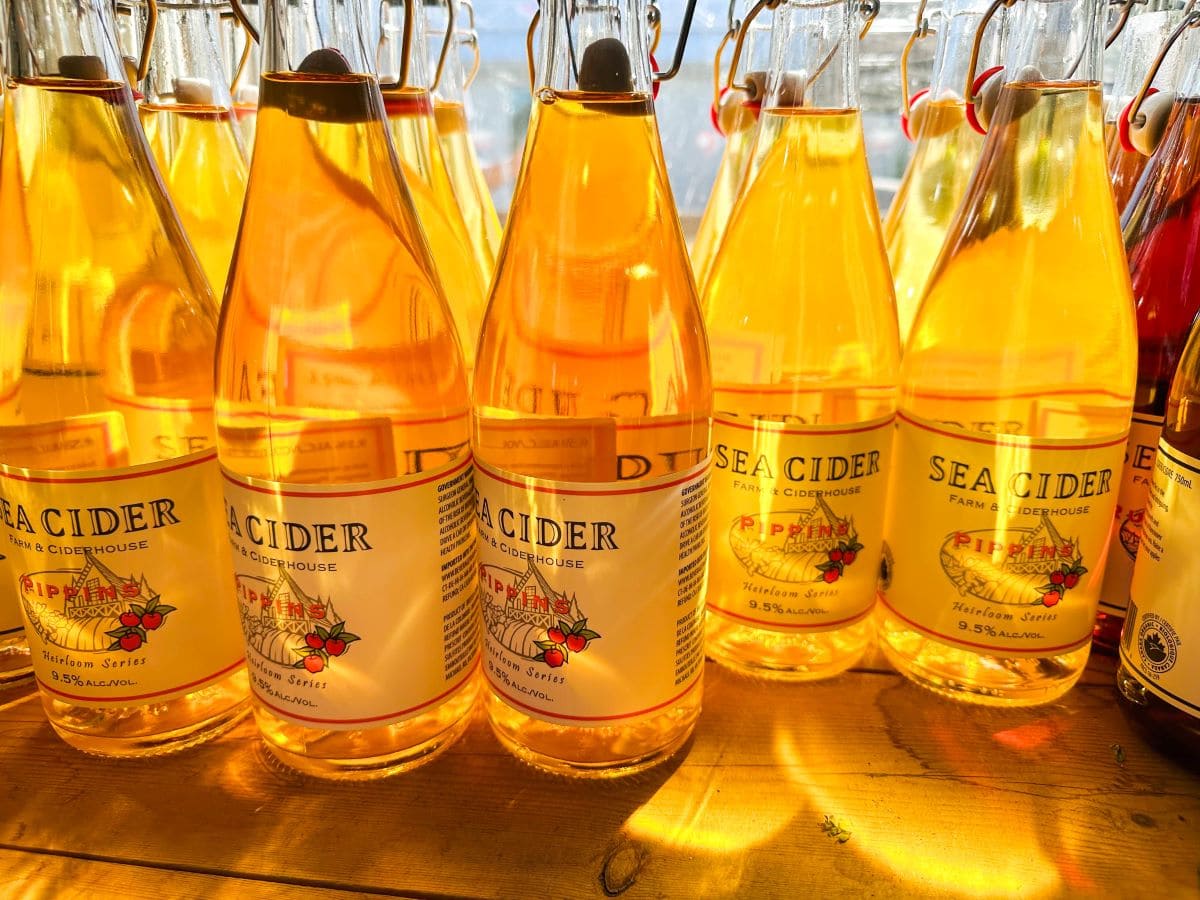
[{"x": 940, "y": 800}]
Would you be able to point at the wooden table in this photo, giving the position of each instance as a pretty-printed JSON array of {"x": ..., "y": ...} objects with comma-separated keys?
[{"x": 939, "y": 799}]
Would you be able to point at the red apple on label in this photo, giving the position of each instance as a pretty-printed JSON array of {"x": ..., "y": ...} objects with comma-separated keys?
[
  {"x": 1051, "y": 598},
  {"x": 556, "y": 635},
  {"x": 314, "y": 640},
  {"x": 831, "y": 575},
  {"x": 554, "y": 658},
  {"x": 1071, "y": 580},
  {"x": 576, "y": 642},
  {"x": 130, "y": 619},
  {"x": 151, "y": 620},
  {"x": 1057, "y": 578},
  {"x": 835, "y": 555},
  {"x": 335, "y": 646},
  {"x": 131, "y": 641},
  {"x": 314, "y": 663},
  {"x": 848, "y": 557}
]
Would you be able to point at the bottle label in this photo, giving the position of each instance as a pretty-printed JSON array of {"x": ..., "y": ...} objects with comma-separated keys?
[
  {"x": 1163, "y": 621},
  {"x": 797, "y": 522},
  {"x": 593, "y": 593},
  {"x": 1131, "y": 507},
  {"x": 995, "y": 543},
  {"x": 122, "y": 578},
  {"x": 359, "y": 603},
  {"x": 163, "y": 428}
]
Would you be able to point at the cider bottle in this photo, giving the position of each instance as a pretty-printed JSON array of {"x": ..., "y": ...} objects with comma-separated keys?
[
  {"x": 342, "y": 415},
  {"x": 1139, "y": 41},
  {"x": 244, "y": 55},
  {"x": 408, "y": 99},
  {"x": 189, "y": 120},
  {"x": 592, "y": 404},
  {"x": 450, "y": 109},
  {"x": 803, "y": 406},
  {"x": 1159, "y": 674},
  {"x": 108, "y": 477},
  {"x": 1016, "y": 390},
  {"x": 944, "y": 158},
  {"x": 735, "y": 115},
  {"x": 1162, "y": 238},
  {"x": 14, "y": 648}
]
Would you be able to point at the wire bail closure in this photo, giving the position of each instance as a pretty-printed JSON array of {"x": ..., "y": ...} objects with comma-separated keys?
[
  {"x": 920, "y": 32},
  {"x": 972, "y": 92},
  {"x": 1132, "y": 117}
]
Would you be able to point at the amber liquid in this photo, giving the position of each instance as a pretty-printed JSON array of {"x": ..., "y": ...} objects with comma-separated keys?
[
  {"x": 463, "y": 275},
  {"x": 739, "y": 145},
  {"x": 930, "y": 193},
  {"x": 1028, "y": 298},
  {"x": 200, "y": 157},
  {"x": 470, "y": 187},
  {"x": 333, "y": 313},
  {"x": 593, "y": 314},
  {"x": 111, "y": 306},
  {"x": 772, "y": 282},
  {"x": 1162, "y": 239},
  {"x": 1125, "y": 168}
]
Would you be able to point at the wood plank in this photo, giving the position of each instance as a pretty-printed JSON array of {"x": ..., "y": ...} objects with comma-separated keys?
[
  {"x": 66, "y": 878},
  {"x": 941, "y": 799}
]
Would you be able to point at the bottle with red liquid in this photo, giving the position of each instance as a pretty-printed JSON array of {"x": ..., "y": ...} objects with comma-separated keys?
[{"x": 1161, "y": 228}]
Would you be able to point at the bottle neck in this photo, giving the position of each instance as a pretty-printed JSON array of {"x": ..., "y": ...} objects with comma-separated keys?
[
  {"x": 186, "y": 67},
  {"x": 599, "y": 46},
  {"x": 1063, "y": 40},
  {"x": 435, "y": 20},
  {"x": 814, "y": 55},
  {"x": 401, "y": 59},
  {"x": 62, "y": 39},
  {"x": 295, "y": 31},
  {"x": 957, "y": 24},
  {"x": 1186, "y": 70}
]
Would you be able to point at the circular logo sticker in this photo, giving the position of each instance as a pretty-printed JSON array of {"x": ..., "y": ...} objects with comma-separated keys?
[{"x": 1158, "y": 644}]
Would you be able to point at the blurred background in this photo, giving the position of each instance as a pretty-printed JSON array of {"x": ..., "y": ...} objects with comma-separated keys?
[{"x": 499, "y": 99}]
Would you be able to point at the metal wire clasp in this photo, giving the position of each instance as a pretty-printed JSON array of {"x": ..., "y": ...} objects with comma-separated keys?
[
  {"x": 920, "y": 32},
  {"x": 970, "y": 94},
  {"x": 1191, "y": 20}
]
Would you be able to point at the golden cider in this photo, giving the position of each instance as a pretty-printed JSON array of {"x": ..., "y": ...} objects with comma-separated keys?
[
  {"x": 1016, "y": 390},
  {"x": 470, "y": 187},
  {"x": 735, "y": 160}
]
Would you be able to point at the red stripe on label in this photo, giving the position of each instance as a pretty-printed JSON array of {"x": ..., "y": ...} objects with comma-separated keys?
[
  {"x": 1010, "y": 440},
  {"x": 958, "y": 641},
  {"x": 771, "y": 429},
  {"x": 386, "y": 716},
  {"x": 176, "y": 689},
  {"x": 1022, "y": 395},
  {"x": 365, "y": 492},
  {"x": 553, "y": 715},
  {"x": 142, "y": 472},
  {"x": 525, "y": 486},
  {"x": 777, "y": 624}
]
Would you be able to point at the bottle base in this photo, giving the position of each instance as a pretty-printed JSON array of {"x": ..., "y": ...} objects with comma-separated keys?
[
  {"x": 980, "y": 679},
  {"x": 137, "y": 731},
  {"x": 602, "y": 752},
  {"x": 779, "y": 656},
  {"x": 372, "y": 753}
]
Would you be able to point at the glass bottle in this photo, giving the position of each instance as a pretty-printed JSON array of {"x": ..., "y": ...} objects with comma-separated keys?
[
  {"x": 1140, "y": 40},
  {"x": 408, "y": 99},
  {"x": 192, "y": 130},
  {"x": 1162, "y": 238},
  {"x": 342, "y": 415},
  {"x": 15, "y": 666},
  {"x": 944, "y": 158},
  {"x": 735, "y": 116},
  {"x": 450, "y": 108},
  {"x": 1016, "y": 390},
  {"x": 592, "y": 404},
  {"x": 110, "y": 484},
  {"x": 1159, "y": 673},
  {"x": 803, "y": 408},
  {"x": 244, "y": 55}
]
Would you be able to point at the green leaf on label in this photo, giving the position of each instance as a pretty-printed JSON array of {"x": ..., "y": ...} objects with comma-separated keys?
[
  {"x": 564, "y": 627},
  {"x": 578, "y": 626},
  {"x": 1079, "y": 570},
  {"x": 348, "y": 637},
  {"x": 140, "y": 610},
  {"x": 299, "y": 665},
  {"x": 337, "y": 629},
  {"x": 118, "y": 632},
  {"x": 322, "y": 633},
  {"x": 115, "y": 645},
  {"x": 164, "y": 610},
  {"x": 856, "y": 546},
  {"x": 142, "y": 633},
  {"x": 545, "y": 645},
  {"x": 589, "y": 634}
]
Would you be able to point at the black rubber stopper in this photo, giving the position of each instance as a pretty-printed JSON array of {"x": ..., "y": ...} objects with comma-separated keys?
[
  {"x": 83, "y": 68},
  {"x": 326, "y": 61},
  {"x": 605, "y": 68}
]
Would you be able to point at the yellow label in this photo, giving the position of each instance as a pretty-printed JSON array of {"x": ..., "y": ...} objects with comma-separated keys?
[
  {"x": 593, "y": 593},
  {"x": 1162, "y": 627},
  {"x": 123, "y": 579},
  {"x": 1131, "y": 507},
  {"x": 359, "y": 603},
  {"x": 797, "y": 522},
  {"x": 578, "y": 449},
  {"x": 93, "y": 441},
  {"x": 995, "y": 543}
]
